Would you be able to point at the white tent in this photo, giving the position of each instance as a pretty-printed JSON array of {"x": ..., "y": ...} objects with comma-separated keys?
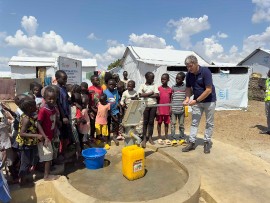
[
  {"x": 231, "y": 83},
  {"x": 88, "y": 66}
]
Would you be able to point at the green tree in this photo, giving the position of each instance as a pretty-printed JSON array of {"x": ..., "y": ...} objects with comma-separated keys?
[{"x": 114, "y": 64}]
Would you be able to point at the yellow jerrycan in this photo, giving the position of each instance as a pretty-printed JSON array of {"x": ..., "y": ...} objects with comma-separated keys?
[
  {"x": 133, "y": 160},
  {"x": 186, "y": 111}
]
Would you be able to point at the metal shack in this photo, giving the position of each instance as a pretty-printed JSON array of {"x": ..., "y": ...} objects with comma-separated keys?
[{"x": 45, "y": 68}]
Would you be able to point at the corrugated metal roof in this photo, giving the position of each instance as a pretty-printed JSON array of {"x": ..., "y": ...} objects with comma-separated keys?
[
  {"x": 40, "y": 61},
  {"x": 163, "y": 56},
  {"x": 31, "y": 61}
]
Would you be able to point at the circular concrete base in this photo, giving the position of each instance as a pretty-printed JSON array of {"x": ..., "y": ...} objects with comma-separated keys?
[
  {"x": 165, "y": 190},
  {"x": 162, "y": 177}
]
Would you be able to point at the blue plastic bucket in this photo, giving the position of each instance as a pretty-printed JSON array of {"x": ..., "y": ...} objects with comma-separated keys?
[{"x": 94, "y": 157}]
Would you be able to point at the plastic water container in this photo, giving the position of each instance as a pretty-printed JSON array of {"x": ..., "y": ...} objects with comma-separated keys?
[
  {"x": 94, "y": 158},
  {"x": 186, "y": 111},
  {"x": 133, "y": 162}
]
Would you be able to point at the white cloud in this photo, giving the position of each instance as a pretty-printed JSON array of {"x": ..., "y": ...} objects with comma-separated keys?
[
  {"x": 222, "y": 35},
  {"x": 112, "y": 54},
  {"x": 262, "y": 11},
  {"x": 30, "y": 25},
  {"x": 233, "y": 49},
  {"x": 211, "y": 50},
  {"x": 186, "y": 27},
  {"x": 149, "y": 41},
  {"x": 111, "y": 43},
  {"x": 92, "y": 36},
  {"x": 2, "y": 38},
  {"x": 258, "y": 40},
  {"x": 49, "y": 44},
  {"x": 4, "y": 64},
  {"x": 209, "y": 47}
]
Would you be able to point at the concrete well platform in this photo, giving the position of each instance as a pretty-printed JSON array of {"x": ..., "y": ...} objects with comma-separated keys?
[
  {"x": 228, "y": 174},
  {"x": 166, "y": 179}
]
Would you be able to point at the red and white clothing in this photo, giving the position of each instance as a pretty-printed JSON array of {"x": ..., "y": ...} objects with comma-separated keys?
[{"x": 47, "y": 118}]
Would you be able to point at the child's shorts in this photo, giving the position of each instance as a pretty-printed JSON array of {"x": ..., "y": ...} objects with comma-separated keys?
[
  {"x": 45, "y": 153},
  {"x": 102, "y": 129},
  {"x": 115, "y": 125},
  {"x": 163, "y": 118}
]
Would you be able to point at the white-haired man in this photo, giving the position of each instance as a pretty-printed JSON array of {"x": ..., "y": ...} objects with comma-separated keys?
[{"x": 199, "y": 81}]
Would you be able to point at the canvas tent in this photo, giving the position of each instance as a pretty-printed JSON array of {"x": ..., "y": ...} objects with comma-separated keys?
[
  {"x": 258, "y": 61},
  {"x": 231, "y": 82}
]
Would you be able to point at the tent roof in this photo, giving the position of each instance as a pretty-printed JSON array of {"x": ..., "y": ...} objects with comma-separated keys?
[
  {"x": 252, "y": 54},
  {"x": 31, "y": 61},
  {"x": 41, "y": 61},
  {"x": 166, "y": 57}
]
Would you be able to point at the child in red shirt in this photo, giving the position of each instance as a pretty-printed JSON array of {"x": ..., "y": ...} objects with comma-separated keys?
[
  {"x": 95, "y": 91},
  {"x": 163, "y": 112},
  {"x": 47, "y": 118}
]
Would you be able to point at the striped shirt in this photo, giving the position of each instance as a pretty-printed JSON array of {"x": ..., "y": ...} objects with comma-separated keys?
[{"x": 178, "y": 96}]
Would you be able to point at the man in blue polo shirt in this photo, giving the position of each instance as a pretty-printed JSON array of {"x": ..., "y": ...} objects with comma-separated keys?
[{"x": 199, "y": 80}]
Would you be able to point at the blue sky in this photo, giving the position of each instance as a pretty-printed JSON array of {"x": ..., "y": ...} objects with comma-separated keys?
[{"x": 218, "y": 30}]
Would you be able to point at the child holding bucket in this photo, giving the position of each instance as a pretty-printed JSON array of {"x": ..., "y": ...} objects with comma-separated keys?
[{"x": 101, "y": 119}]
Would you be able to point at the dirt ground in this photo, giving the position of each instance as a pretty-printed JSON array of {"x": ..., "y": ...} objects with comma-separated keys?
[{"x": 240, "y": 129}]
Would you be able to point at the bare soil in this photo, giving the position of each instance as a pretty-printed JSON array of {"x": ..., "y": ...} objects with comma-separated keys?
[{"x": 240, "y": 128}]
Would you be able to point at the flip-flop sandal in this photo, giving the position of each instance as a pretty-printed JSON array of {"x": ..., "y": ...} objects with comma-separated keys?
[
  {"x": 182, "y": 142},
  {"x": 168, "y": 142},
  {"x": 160, "y": 141},
  {"x": 119, "y": 137},
  {"x": 174, "y": 142}
]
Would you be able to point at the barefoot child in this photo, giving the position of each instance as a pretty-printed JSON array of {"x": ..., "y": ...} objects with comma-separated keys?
[
  {"x": 64, "y": 109},
  {"x": 84, "y": 125},
  {"x": 95, "y": 91},
  {"x": 6, "y": 152},
  {"x": 28, "y": 136},
  {"x": 47, "y": 116},
  {"x": 76, "y": 116},
  {"x": 113, "y": 99},
  {"x": 101, "y": 119},
  {"x": 163, "y": 112},
  {"x": 149, "y": 92}
]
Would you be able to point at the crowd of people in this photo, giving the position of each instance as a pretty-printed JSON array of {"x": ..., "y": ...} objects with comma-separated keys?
[{"x": 49, "y": 119}]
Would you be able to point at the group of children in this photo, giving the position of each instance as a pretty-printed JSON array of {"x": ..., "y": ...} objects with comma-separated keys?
[{"x": 51, "y": 118}]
